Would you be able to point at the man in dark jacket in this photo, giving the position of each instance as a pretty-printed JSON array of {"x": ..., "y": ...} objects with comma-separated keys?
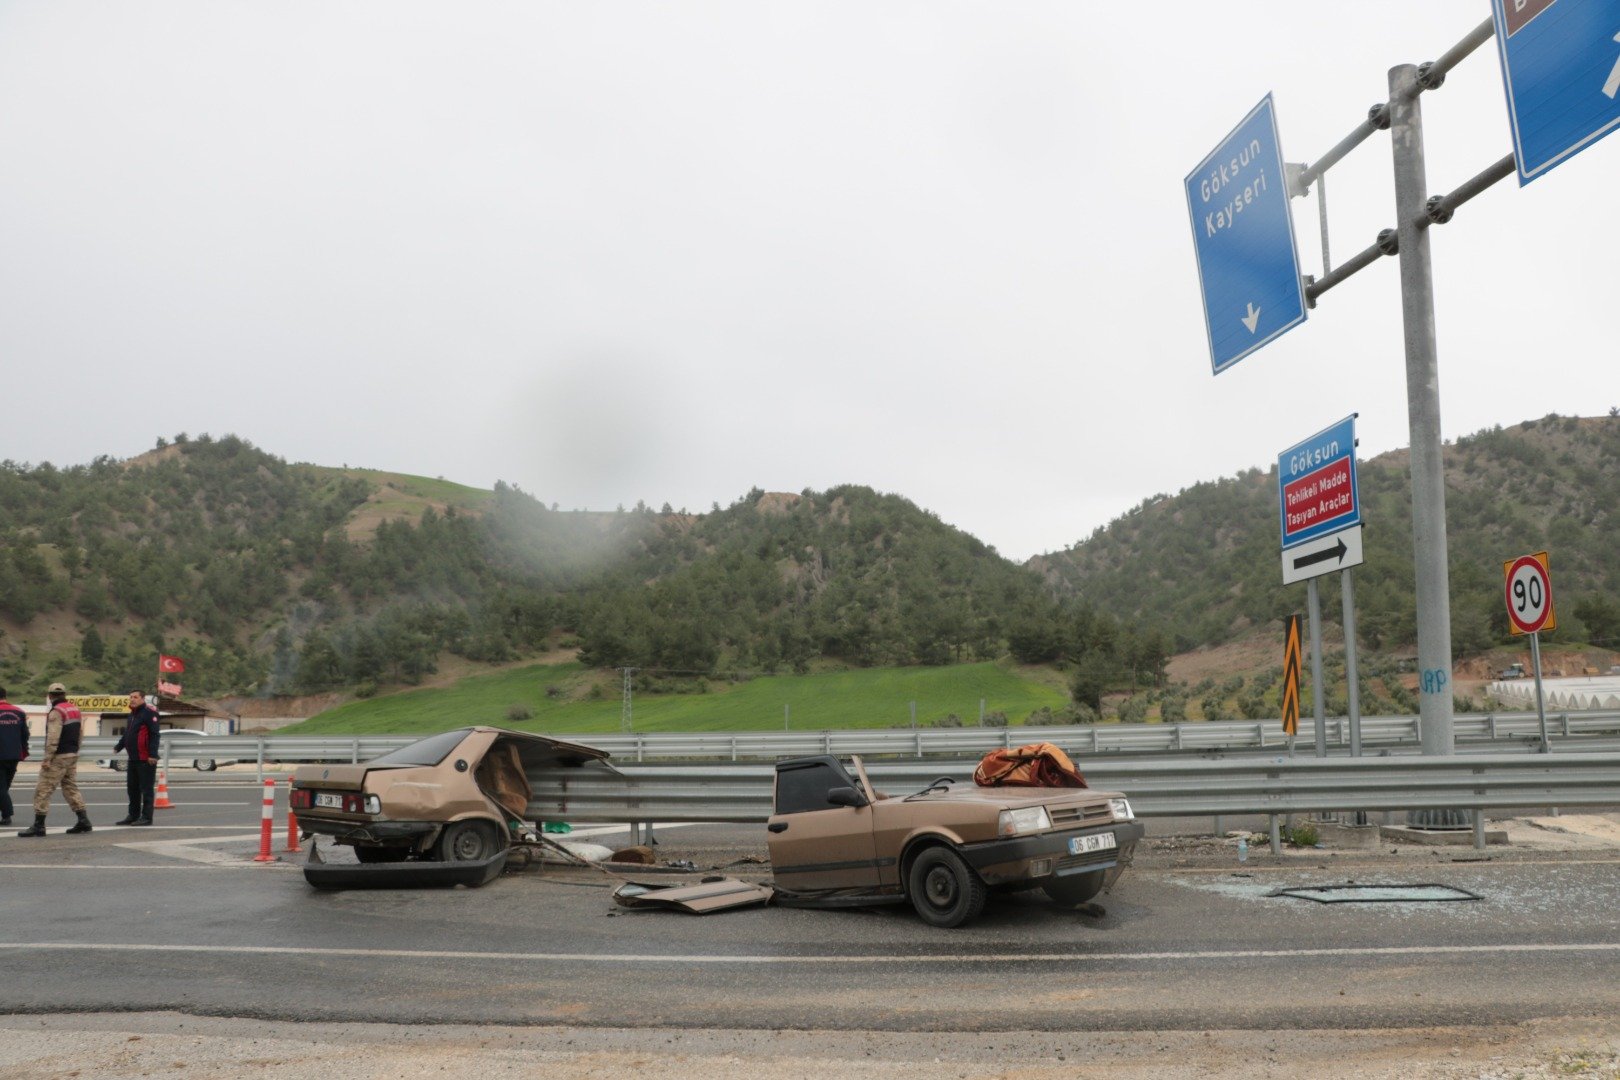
[
  {"x": 13, "y": 748},
  {"x": 140, "y": 742}
]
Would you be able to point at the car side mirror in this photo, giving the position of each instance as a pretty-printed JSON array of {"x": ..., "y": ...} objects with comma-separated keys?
[{"x": 845, "y": 796}]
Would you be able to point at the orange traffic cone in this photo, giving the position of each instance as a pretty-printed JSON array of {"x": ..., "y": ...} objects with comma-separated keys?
[
  {"x": 292, "y": 821},
  {"x": 162, "y": 801}
]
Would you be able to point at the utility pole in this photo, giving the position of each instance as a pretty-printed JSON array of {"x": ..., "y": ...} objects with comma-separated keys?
[{"x": 625, "y": 724}]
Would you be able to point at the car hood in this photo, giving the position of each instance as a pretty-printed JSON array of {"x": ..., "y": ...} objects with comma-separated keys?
[{"x": 1013, "y": 798}]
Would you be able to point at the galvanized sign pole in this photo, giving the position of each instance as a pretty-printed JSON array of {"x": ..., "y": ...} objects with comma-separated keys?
[
  {"x": 1423, "y": 413},
  {"x": 1314, "y": 606}
]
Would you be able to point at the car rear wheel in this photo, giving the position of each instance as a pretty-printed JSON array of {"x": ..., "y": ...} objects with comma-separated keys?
[
  {"x": 467, "y": 841},
  {"x": 204, "y": 765},
  {"x": 381, "y": 854},
  {"x": 944, "y": 889},
  {"x": 1075, "y": 889}
]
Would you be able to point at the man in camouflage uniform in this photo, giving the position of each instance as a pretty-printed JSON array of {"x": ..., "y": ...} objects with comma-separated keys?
[{"x": 61, "y": 763}]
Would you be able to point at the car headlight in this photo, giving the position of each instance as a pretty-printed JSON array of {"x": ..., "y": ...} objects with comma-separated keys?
[
  {"x": 1028, "y": 820},
  {"x": 373, "y": 804},
  {"x": 1121, "y": 809}
]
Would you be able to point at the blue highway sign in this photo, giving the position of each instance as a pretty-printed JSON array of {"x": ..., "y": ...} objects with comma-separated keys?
[
  {"x": 1243, "y": 234},
  {"x": 1316, "y": 484},
  {"x": 1561, "y": 67}
]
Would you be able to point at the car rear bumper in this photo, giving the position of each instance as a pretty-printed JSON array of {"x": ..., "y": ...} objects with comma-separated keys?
[
  {"x": 1016, "y": 858},
  {"x": 379, "y": 833}
]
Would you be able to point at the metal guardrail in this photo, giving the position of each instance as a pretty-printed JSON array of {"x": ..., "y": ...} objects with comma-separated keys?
[
  {"x": 1161, "y": 788},
  {"x": 1483, "y": 730}
]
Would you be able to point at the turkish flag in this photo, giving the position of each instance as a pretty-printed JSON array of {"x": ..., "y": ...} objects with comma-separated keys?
[{"x": 170, "y": 665}]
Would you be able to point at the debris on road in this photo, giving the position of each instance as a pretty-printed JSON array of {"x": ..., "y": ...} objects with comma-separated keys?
[{"x": 711, "y": 894}]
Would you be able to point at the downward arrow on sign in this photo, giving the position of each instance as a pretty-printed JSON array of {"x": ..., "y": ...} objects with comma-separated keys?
[{"x": 1252, "y": 319}]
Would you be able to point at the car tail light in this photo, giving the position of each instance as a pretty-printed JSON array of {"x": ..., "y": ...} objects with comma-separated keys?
[
  {"x": 301, "y": 799},
  {"x": 354, "y": 804}
]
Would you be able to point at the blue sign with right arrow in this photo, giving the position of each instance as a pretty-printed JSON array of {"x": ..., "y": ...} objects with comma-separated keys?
[
  {"x": 1561, "y": 65},
  {"x": 1243, "y": 234}
]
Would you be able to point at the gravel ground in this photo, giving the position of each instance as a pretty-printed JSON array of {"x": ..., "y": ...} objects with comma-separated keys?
[{"x": 172, "y": 1045}]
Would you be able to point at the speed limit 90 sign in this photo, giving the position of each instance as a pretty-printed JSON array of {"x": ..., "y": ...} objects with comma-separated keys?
[{"x": 1527, "y": 587}]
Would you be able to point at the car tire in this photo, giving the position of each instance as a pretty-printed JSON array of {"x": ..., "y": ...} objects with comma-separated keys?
[
  {"x": 467, "y": 841},
  {"x": 381, "y": 854},
  {"x": 1074, "y": 890},
  {"x": 115, "y": 765},
  {"x": 943, "y": 888},
  {"x": 205, "y": 765}
]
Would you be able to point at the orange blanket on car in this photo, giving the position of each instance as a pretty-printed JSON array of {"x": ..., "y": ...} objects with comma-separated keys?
[{"x": 1035, "y": 765}]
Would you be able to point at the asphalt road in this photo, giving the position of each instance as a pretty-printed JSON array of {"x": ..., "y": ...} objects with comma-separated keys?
[{"x": 178, "y": 917}]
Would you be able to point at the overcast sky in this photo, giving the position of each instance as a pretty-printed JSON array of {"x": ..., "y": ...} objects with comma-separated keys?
[{"x": 672, "y": 251}]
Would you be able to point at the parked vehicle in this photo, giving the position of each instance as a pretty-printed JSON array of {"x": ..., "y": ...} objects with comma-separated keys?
[
  {"x": 182, "y": 747},
  {"x": 835, "y": 841}
]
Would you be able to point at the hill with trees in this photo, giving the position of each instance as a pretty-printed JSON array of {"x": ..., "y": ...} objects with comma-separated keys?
[
  {"x": 1203, "y": 564},
  {"x": 276, "y": 578}
]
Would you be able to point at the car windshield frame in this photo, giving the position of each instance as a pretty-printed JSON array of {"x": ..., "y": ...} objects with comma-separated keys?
[{"x": 421, "y": 752}]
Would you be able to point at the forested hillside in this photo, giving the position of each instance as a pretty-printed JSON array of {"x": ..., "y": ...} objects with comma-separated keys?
[
  {"x": 271, "y": 577},
  {"x": 1203, "y": 564}
]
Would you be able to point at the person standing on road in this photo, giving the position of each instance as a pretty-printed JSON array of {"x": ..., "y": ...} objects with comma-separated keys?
[
  {"x": 140, "y": 742},
  {"x": 13, "y": 748},
  {"x": 61, "y": 764}
]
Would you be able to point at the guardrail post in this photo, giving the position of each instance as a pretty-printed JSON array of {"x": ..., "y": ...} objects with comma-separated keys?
[
  {"x": 1276, "y": 836},
  {"x": 1093, "y": 740},
  {"x": 261, "y": 759},
  {"x": 918, "y": 740},
  {"x": 1491, "y": 717},
  {"x": 1219, "y": 831},
  {"x": 1479, "y": 830},
  {"x": 1564, "y": 720},
  {"x": 354, "y": 751},
  {"x": 1176, "y": 742},
  {"x": 734, "y": 748},
  {"x": 826, "y": 742},
  {"x": 1260, "y": 733},
  {"x": 1006, "y": 738}
]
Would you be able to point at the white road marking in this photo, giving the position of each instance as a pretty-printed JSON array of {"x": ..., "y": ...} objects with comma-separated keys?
[
  {"x": 1003, "y": 959},
  {"x": 133, "y": 828},
  {"x": 189, "y": 849},
  {"x": 237, "y": 865}
]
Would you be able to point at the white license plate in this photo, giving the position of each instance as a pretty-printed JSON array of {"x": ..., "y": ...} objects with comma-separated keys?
[
  {"x": 335, "y": 802},
  {"x": 1080, "y": 845}
]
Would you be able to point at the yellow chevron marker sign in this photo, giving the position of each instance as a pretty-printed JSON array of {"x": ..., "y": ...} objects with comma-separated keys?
[{"x": 1290, "y": 687}]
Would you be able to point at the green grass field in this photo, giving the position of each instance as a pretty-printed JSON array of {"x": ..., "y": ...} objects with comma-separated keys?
[{"x": 872, "y": 698}]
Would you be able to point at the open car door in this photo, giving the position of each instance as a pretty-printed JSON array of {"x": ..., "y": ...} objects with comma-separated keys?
[{"x": 820, "y": 835}]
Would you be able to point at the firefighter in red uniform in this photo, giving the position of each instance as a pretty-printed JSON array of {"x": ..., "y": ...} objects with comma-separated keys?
[{"x": 61, "y": 764}]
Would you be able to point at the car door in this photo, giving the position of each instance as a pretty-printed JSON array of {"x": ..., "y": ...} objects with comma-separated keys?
[{"x": 815, "y": 844}]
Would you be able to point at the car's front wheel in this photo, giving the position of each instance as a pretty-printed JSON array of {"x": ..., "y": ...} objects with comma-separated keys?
[
  {"x": 467, "y": 841},
  {"x": 1074, "y": 890},
  {"x": 204, "y": 765},
  {"x": 943, "y": 888}
]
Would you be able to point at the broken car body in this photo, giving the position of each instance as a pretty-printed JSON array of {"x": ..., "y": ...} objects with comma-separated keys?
[
  {"x": 453, "y": 797},
  {"x": 835, "y": 841}
]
